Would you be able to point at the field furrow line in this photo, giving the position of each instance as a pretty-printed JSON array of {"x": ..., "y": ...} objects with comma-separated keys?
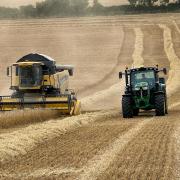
[
  {"x": 26, "y": 139},
  {"x": 68, "y": 151},
  {"x": 138, "y": 60},
  {"x": 173, "y": 82},
  {"x": 149, "y": 155},
  {"x": 112, "y": 71},
  {"x": 101, "y": 162},
  {"x": 45, "y": 173},
  {"x": 116, "y": 90},
  {"x": 176, "y": 137},
  {"x": 22, "y": 141},
  {"x": 176, "y": 26}
]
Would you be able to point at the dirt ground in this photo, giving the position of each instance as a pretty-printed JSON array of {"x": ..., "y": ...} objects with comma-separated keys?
[{"x": 98, "y": 144}]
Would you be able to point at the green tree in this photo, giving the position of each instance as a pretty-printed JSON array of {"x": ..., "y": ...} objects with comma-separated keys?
[
  {"x": 97, "y": 8},
  {"x": 27, "y": 11},
  {"x": 78, "y": 7},
  {"x": 53, "y": 8}
]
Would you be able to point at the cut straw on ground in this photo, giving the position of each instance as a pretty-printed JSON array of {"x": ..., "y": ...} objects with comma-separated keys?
[{"x": 15, "y": 118}]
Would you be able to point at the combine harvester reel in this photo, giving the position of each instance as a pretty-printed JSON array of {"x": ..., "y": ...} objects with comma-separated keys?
[
  {"x": 38, "y": 83},
  {"x": 144, "y": 90}
]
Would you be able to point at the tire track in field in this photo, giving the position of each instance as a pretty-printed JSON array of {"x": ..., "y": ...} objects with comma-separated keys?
[
  {"x": 176, "y": 134},
  {"x": 149, "y": 155},
  {"x": 176, "y": 26},
  {"x": 109, "y": 74},
  {"x": 176, "y": 137},
  {"x": 173, "y": 82},
  {"x": 101, "y": 162},
  {"x": 101, "y": 84},
  {"x": 27, "y": 139},
  {"x": 69, "y": 151},
  {"x": 98, "y": 166},
  {"x": 101, "y": 99},
  {"x": 138, "y": 60},
  {"x": 123, "y": 168},
  {"x": 38, "y": 174},
  {"x": 154, "y": 52},
  {"x": 24, "y": 140}
]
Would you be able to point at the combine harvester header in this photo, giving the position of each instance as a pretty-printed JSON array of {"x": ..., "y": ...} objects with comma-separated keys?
[{"x": 38, "y": 83}]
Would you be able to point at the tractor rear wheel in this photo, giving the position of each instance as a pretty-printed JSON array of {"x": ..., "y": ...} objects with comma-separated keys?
[
  {"x": 127, "y": 107},
  {"x": 160, "y": 105},
  {"x": 135, "y": 112}
]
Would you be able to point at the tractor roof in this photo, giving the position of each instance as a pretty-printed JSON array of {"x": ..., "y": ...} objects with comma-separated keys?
[{"x": 144, "y": 69}]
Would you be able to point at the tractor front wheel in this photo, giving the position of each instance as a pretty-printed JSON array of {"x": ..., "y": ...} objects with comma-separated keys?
[
  {"x": 160, "y": 105},
  {"x": 135, "y": 112},
  {"x": 127, "y": 107}
]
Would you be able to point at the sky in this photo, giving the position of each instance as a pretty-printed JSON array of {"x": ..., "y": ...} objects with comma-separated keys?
[{"x": 17, "y": 3}]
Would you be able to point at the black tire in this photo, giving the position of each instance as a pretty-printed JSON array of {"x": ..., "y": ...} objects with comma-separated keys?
[
  {"x": 166, "y": 105},
  {"x": 127, "y": 107},
  {"x": 160, "y": 105},
  {"x": 135, "y": 112}
]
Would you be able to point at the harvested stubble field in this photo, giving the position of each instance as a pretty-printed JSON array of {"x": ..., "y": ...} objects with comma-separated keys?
[{"x": 98, "y": 144}]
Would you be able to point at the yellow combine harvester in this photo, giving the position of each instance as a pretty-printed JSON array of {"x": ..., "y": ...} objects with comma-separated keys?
[{"x": 38, "y": 83}]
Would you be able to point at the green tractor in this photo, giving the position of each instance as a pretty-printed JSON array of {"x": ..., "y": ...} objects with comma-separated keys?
[{"x": 144, "y": 90}]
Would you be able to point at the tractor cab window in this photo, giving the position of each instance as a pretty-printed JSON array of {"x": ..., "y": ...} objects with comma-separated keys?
[
  {"x": 30, "y": 76},
  {"x": 147, "y": 76}
]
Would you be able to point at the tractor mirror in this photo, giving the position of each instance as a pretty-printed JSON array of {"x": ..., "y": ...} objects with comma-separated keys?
[
  {"x": 165, "y": 71},
  {"x": 162, "y": 80},
  {"x": 71, "y": 72},
  {"x": 120, "y": 75}
]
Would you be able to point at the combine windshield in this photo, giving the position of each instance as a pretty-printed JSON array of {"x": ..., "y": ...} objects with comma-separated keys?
[
  {"x": 30, "y": 76},
  {"x": 147, "y": 76}
]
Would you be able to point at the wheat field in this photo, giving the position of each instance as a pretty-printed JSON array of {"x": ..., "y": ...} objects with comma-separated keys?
[{"x": 98, "y": 144}]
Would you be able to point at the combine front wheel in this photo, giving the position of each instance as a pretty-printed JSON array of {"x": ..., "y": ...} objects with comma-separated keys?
[{"x": 77, "y": 108}]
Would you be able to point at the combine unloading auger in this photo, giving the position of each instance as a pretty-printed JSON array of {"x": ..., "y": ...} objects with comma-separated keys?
[{"x": 38, "y": 83}]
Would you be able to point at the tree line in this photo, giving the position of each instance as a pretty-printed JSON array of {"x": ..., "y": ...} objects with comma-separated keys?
[
  {"x": 69, "y": 8},
  {"x": 149, "y": 3}
]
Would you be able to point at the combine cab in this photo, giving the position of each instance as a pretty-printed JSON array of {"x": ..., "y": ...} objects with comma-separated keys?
[
  {"x": 145, "y": 90},
  {"x": 38, "y": 82}
]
